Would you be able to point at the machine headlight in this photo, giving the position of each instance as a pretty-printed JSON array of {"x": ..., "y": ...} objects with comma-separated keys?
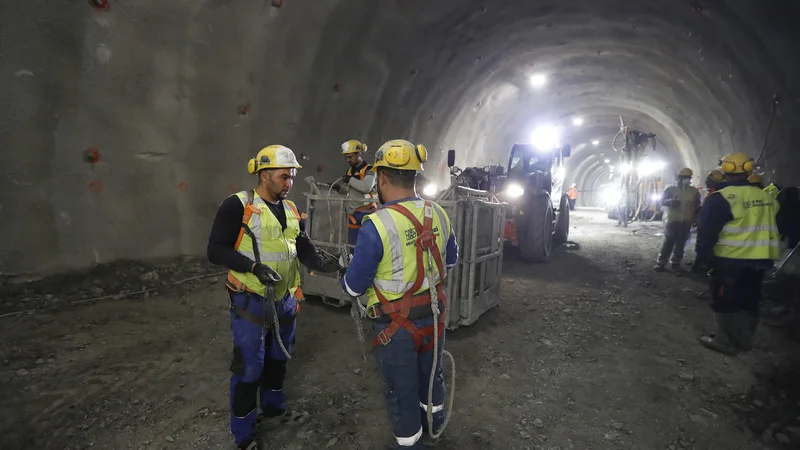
[
  {"x": 655, "y": 196},
  {"x": 430, "y": 190},
  {"x": 514, "y": 190}
]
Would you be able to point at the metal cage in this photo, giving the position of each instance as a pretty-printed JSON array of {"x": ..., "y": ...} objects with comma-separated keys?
[{"x": 472, "y": 286}]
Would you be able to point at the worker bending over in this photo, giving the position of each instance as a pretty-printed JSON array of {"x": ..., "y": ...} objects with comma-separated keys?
[
  {"x": 755, "y": 180},
  {"x": 259, "y": 236},
  {"x": 682, "y": 203},
  {"x": 358, "y": 182},
  {"x": 390, "y": 264},
  {"x": 737, "y": 238}
]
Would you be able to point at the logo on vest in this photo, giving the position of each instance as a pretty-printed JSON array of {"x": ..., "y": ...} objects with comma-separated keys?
[{"x": 755, "y": 204}]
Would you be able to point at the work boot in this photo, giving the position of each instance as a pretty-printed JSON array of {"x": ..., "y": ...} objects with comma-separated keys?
[
  {"x": 727, "y": 330},
  {"x": 658, "y": 268},
  {"x": 678, "y": 268},
  {"x": 748, "y": 322}
]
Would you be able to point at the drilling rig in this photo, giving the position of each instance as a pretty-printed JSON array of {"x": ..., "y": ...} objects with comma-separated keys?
[{"x": 639, "y": 178}]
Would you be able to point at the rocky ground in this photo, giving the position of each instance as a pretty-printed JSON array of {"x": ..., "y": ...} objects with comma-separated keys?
[{"x": 592, "y": 350}]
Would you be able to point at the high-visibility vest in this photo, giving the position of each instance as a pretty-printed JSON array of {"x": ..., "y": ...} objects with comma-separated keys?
[
  {"x": 397, "y": 270},
  {"x": 772, "y": 190},
  {"x": 572, "y": 193},
  {"x": 753, "y": 232},
  {"x": 268, "y": 244}
]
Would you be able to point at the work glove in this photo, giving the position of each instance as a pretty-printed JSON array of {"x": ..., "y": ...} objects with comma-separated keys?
[
  {"x": 346, "y": 179},
  {"x": 266, "y": 274}
]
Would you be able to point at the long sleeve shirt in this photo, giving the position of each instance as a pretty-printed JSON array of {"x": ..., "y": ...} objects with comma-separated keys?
[
  {"x": 716, "y": 212},
  {"x": 225, "y": 231},
  {"x": 369, "y": 252}
]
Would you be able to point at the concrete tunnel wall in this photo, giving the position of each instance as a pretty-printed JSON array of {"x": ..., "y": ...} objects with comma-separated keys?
[{"x": 158, "y": 87}]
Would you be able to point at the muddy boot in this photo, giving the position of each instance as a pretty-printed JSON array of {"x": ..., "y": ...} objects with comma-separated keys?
[
  {"x": 678, "y": 268},
  {"x": 727, "y": 327},
  {"x": 748, "y": 322},
  {"x": 250, "y": 445},
  {"x": 658, "y": 268}
]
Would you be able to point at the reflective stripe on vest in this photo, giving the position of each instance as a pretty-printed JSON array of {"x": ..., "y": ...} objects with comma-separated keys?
[
  {"x": 753, "y": 232},
  {"x": 276, "y": 248},
  {"x": 397, "y": 270}
]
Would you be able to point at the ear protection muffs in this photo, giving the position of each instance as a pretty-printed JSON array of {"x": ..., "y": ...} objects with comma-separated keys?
[
  {"x": 422, "y": 153},
  {"x": 732, "y": 167},
  {"x": 251, "y": 166}
]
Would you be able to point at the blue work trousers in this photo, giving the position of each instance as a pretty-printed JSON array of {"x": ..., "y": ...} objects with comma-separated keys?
[
  {"x": 405, "y": 377},
  {"x": 258, "y": 362}
]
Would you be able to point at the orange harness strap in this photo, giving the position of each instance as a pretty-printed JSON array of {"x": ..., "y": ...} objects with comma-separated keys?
[{"x": 399, "y": 309}]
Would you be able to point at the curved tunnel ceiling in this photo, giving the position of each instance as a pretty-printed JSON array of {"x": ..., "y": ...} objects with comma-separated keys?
[
  {"x": 177, "y": 96},
  {"x": 701, "y": 75}
]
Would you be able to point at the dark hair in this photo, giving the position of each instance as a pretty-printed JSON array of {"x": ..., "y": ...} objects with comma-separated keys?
[{"x": 400, "y": 178}]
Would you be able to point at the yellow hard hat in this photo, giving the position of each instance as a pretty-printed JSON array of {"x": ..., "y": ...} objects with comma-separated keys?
[
  {"x": 716, "y": 176},
  {"x": 273, "y": 157},
  {"x": 736, "y": 163},
  {"x": 754, "y": 178},
  {"x": 685, "y": 172},
  {"x": 400, "y": 154},
  {"x": 353, "y": 146}
]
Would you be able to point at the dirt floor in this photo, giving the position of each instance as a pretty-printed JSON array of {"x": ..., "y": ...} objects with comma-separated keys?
[{"x": 590, "y": 351}]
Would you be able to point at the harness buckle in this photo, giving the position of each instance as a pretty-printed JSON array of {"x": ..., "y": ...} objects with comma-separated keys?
[
  {"x": 426, "y": 239},
  {"x": 372, "y": 311},
  {"x": 383, "y": 339}
]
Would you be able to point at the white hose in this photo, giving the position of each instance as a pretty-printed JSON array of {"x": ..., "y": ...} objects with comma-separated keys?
[
  {"x": 269, "y": 296},
  {"x": 435, "y": 308}
]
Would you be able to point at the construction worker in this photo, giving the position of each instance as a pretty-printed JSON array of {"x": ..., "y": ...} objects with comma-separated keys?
[
  {"x": 713, "y": 180},
  {"x": 358, "y": 182},
  {"x": 386, "y": 266},
  {"x": 259, "y": 235},
  {"x": 755, "y": 180},
  {"x": 738, "y": 239},
  {"x": 572, "y": 196},
  {"x": 682, "y": 203}
]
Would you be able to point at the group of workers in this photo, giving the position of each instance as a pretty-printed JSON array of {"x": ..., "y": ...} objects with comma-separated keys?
[
  {"x": 738, "y": 239},
  {"x": 402, "y": 251}
]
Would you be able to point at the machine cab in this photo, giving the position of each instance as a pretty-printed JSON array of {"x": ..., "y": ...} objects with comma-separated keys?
[{"x": 536, "y": 168}]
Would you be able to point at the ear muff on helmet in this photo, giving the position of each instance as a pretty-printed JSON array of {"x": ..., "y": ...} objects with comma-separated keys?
[
  {"x": 731, "y": 166},
  {"x": 422, "y": 153},
  {"x": 251, "y": 166}
]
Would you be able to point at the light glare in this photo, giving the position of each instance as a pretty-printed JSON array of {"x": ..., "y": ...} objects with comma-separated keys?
[
  {"x": 538, "y": 80},
  {"x": 595, "y": 142},
  {"x": 577, "y": 121},
  {"x": 545, "y": 137}
]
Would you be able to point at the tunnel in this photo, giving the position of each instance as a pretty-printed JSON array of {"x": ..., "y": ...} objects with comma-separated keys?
[
  {"x": 125, "y": 124},
  {"x": 174, "y": 99}
]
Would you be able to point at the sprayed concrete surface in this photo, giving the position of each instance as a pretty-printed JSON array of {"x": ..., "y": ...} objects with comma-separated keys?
[
  {"x": 593, "y": 350},
  {"x": 176, "y": 96}
]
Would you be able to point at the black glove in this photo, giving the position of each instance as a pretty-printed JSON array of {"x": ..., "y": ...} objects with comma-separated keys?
[
  {"x": 266, "y": 274},
  {"x": 346, "y": 178}
]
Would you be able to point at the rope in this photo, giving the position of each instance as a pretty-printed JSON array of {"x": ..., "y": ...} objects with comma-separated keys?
[
  {"x": 435, "y": 309},
  {"x": 269, "y": 296}
]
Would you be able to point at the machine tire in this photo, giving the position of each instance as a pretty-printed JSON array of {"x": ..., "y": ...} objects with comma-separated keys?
[
  {"x": 536, "y": 241},
  {"x": 561, "y": 233}
]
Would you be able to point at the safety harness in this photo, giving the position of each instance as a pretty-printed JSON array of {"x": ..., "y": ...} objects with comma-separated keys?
[
  {"x": 234, "y": 285},
  {"x": 352, "y": 223},
  {"x": 398, "y": 310}
]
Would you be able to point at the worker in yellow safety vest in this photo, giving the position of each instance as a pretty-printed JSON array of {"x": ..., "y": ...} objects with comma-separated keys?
[
  {"x": 681, "y": 204},
  {"x": 259, "y": 235},
  {"x": 400, "y": 260},
  {"x": 738, "y": 239},
  {"x": 358, "y": 182}
]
